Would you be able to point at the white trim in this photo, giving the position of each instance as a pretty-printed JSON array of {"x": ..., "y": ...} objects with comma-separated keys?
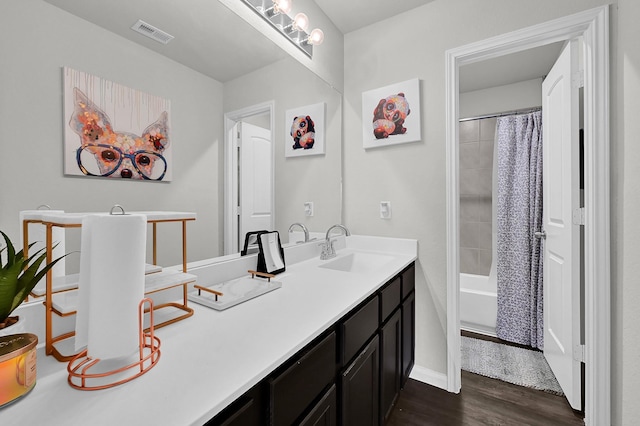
[
  {"x": 593, "y": 25},
  {"x": 230, "y": 164},
  {"x": 429, "y": 377}
]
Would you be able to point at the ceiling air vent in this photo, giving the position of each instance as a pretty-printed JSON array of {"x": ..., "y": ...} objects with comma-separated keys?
[{"x": 152, "y": 32}]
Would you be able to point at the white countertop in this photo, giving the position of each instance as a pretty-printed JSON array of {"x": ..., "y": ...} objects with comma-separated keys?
[
  {"x": 62, "y": 218},
  {"x": 211, "y": 358}
]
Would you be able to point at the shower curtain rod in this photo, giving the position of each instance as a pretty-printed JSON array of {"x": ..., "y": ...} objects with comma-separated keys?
[{"x": 503, "y": 114}]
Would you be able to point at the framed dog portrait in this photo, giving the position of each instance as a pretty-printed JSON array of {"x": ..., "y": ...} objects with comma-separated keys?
[
  {"x": 113, "y": 131},
  {"x": 391, "y": 114},
  {"x": 304, "y": 130}
]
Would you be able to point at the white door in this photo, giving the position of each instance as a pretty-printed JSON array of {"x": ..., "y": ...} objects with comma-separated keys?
[
  {"x": 254, "y": 180},
  {"x": 561, "y": 199}
]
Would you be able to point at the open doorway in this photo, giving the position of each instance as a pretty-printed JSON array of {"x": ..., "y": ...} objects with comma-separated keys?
[
  {"x": 249, "y": 173},
  {"x": 516, "y": 285},
  {"x": 593, "y": 26}
]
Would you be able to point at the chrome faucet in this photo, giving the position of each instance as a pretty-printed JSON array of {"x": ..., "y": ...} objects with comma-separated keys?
[
  {"x": 327, "y": 247},
  {"x": 304, "y": 229}
]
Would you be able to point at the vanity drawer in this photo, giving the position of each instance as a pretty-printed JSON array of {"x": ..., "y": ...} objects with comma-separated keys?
[
  {"x": 390, "y": 298},
  {"x": 408, "y": 280},
  {"x": 292, "y": 391},
  {"x": 358, "y": 329}
]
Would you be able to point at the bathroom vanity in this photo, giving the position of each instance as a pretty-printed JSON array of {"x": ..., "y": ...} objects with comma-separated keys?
[{"x": 336, "y": 341}]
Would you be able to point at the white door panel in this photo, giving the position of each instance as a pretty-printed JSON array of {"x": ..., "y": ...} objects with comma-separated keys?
[
  {"x": 562, "y": 244},
  {"x": 255, "y": 180}
]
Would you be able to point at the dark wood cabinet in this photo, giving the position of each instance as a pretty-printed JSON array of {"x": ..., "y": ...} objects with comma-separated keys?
[
  {"x": 325, "y": 412},
  {"x": 248, "y": 410},
  {"x": 390, "y": 363},
  {"x": 408, "y": 280},
  {"x": 295, "y": 388},
  {"x": 408, "y": 335},
  {"x": 358, "y": 328},
  {"x": 390, "y": 297},
  {"x": 360, "y": 387},
  {"x": 350, "y": 375}
]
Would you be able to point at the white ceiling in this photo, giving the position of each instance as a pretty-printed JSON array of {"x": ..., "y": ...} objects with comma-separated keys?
[
  {"x": 351, "y": 15},
  {"x": 211, "y": 39},
  {"x": 513, "y": 68}
]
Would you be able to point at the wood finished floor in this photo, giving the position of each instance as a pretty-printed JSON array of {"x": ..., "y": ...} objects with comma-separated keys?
[{"x": 482, "y": 401}]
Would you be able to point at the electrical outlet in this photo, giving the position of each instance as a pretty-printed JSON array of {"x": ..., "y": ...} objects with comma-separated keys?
[
  {"x": 308, "y": 208},
  {"x": 385, "y": 209}
]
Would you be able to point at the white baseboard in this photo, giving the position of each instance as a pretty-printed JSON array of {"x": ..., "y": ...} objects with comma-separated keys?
[{"x": 429, "y": 377}]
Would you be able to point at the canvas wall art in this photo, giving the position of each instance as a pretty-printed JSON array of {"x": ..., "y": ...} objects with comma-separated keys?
[
  {"x": 304, "y": 129},
  {"x": 113, "y": 131},
  {"x": 391, "y": 114}
]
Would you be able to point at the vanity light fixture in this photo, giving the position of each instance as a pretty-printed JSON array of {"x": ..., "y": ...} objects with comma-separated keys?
[
  {"x": 275, "y": 12},
  {"x": 316, "y": 37},
  {"x": 282, "y": 6},
  {"x": 300, "y": 22}
]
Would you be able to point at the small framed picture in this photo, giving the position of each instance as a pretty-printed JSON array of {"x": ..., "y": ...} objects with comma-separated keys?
[
  {"x": 304, "y": 130},
  {"x": 391, "y": 114}
]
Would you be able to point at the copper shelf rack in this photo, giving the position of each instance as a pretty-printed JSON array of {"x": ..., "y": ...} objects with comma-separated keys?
[
  {"x": 74, "y": 220},
  {"x": 79, "y": 368}
]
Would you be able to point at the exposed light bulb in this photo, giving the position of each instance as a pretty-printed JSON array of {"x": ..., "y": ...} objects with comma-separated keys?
[
  {"x": 316, "y": 37},
  {"x": 282, "y": 6},
  {"x": 300, "y": 22}
]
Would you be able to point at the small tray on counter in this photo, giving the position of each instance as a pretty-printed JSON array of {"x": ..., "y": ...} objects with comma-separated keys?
[{"x": 233, "y": 292}]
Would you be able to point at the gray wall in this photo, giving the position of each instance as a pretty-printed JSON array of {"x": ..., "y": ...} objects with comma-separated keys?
[
  {"x": 476, "y": 165},
  {"x": 314, "y": 178},
  {"x": 625, "y": 191},
  {"x": 413, "y": 176},
  {"x": 476, "y": 195},
  {"x": 36, "y": 41}
]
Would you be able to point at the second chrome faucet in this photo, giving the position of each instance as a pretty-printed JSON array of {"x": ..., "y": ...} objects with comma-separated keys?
[{"x": 327, "y": 247}]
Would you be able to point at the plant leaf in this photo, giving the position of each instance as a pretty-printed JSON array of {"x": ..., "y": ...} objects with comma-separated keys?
[
  {"x": 28, "y": 281},
  {"x": 7, "y": 292},
  {"x": 11, "y": 251},
  {"x": 18, "y": 276}
]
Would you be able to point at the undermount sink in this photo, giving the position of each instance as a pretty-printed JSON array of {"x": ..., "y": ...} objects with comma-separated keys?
[{"x": 358, "y": 262}]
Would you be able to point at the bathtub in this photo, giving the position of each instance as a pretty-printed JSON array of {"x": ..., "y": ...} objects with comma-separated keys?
[{"x": 478, "y": 304}]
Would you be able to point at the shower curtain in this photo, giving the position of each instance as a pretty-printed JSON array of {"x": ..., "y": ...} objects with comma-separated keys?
[{"x": 519, "y": 216}]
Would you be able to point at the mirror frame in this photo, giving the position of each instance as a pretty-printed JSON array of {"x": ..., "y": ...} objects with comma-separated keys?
[{"x": 231, "y": 164}]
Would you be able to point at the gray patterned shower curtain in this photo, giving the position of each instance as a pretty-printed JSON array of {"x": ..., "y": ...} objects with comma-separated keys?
[{"x": 519, "y": 216}]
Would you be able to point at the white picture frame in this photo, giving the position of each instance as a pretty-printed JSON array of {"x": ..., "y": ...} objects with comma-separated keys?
[
  {"x": 391, "y": 115},
  {"x": 298, "y": 141}
]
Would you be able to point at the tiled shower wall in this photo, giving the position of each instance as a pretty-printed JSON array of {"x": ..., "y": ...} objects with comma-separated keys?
[{"x": 476, "y": 168}]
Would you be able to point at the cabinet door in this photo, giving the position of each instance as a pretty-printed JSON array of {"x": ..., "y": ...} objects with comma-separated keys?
[
  {"x": 248, "y": 410},
  {"x": 408, "y": 335},
  {"x": 390, "y": 365},
  {"x": 390, "y": 298},
  {"x": 325, "y": 412},
  {"x": 360, "y": 388},
  {"x": 293, "y": 390},
  {"x": 358, "y": 329},
  {"x": 408, "y": 280}
]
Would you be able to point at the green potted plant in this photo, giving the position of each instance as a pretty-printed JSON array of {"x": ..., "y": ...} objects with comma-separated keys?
[{"x": 18, "y": 276}]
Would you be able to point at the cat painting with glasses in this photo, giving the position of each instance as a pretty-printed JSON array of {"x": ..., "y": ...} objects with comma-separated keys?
[{"x": 111, "y": 153}]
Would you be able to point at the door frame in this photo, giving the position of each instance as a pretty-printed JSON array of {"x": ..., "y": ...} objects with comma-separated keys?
[
  {"x": 230, "y": 165},
  {"x": 593, "y": 26}
]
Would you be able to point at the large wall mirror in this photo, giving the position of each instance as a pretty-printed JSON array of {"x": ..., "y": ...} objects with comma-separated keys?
[{"x": 214, "y": 41}]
